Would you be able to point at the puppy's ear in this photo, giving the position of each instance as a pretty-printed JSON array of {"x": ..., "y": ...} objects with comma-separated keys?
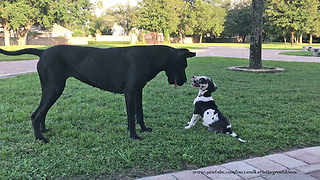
[{"x": 211, "y": 86}]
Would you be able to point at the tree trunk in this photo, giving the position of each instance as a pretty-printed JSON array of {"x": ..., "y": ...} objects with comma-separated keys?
[
  {"x": 6, "y": 34},
  {"x": 256, "y": 35},
  {"x": 200, "y": 41},
  {"x": 155, "y": 37},
  {"x": 22, "y": 35},
  {"x": 285, "y": 39},
  {"x": 292, "y": 39},
  {"x": 310, "y": 39},
  {"x": 180, "y": 36},
  {"x": 300, "y": 41},
  {"x": 244, "y": 38}
]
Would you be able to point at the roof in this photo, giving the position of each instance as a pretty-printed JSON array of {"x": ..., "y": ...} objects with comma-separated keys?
[{"x": 55, "y": 29}]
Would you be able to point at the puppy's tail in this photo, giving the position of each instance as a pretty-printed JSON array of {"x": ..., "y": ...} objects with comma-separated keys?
[
  {"x": 33, "y": 51},
  {"x": 229, "y": 131}
]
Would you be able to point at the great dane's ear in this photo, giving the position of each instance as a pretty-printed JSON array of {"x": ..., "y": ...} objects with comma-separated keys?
[
  {"x": 211, "y": 86},
  {"x": 185, "y": 53}
]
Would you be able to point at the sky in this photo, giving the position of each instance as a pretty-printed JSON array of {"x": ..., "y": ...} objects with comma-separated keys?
[{"x": 109, "y": 3}]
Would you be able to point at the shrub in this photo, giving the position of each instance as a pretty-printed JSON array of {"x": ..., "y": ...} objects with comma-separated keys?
[{"x": 107, "y": 42}]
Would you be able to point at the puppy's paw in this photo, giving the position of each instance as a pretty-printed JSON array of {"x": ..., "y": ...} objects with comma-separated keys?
[
  {"x": 190, "y": 125},
  {"x": 205, "y": 124}
]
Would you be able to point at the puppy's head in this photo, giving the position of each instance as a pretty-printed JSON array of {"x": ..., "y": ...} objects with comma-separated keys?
[{"x": 203, "y": 83}]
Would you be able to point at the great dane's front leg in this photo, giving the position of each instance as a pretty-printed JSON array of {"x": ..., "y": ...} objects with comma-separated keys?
[
  {"x": 130, "y": 97},
  {"x": 139, "y": 113},
  {"x": 193, "y": 121}
]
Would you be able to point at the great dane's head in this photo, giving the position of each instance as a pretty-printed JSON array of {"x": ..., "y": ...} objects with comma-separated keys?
[
  {"x": 176, "y": 72},
  {"x": 203, "y": 83}
]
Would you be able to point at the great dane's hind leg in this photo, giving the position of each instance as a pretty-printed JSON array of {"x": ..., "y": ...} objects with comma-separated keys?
[
  {"x": 139, "y": 113},
  {"x": 51, "y": 91},
  {"x": 130, "y": 97}
]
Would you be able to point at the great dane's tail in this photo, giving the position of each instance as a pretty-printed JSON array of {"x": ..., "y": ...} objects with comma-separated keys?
[{"x": 33, "y": 51}]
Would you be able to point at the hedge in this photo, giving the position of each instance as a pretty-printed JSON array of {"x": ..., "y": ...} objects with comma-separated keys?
[{"x": 107, "y": 42}]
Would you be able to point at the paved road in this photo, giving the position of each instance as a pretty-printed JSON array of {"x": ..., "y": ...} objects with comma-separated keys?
[
  {"x": 294, "y": 165},
  {"x": 12, "y": 68},
  {"x": 239, "y": 52}
]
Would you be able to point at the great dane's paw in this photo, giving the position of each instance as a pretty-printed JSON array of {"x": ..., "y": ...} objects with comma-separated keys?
[
  {"x": 45, "y": 130},
  {"x": 43, "y": 139},
  {"x": 136, "y": 137},
  {"x": 146, "y": 130}
]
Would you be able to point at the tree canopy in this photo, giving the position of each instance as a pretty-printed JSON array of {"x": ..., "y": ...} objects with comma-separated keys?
[
  {"x": 294, "y": 16},
  {"x": 19, "y": 15},
  {"x": 198, "y": 18},
  {"x": 239, "y": 19}
]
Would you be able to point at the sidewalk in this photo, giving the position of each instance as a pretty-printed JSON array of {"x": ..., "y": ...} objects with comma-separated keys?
[
  {"x": 12, "y": 68},
  {"x": 303, "y": 164},
  {"x": 241, "y": 52}
]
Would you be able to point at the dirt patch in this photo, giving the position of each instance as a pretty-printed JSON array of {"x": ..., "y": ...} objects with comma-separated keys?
[{"x": 264, "y": 69}]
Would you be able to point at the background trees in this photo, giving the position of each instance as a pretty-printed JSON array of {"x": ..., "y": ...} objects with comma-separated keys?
[
  {"x": 19, "y": 15},
  {"x": 294, "y": 16},
  {"x": 239, "y": 19},
  {"x": 179, "y": 18}
]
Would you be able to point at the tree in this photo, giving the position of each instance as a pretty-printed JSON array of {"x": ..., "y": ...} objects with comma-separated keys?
[
  {"x": 239, "y": 19},
  {"x": 312, "y": 24},
  {"x": 158, "y": 16},
  {"x": 123, "y": 15},
  {"x": 290, "y": 15},
  {"x": 20, "y": 15},
  {"x": 185, "y": 24},
  {"x": 5, "y": 9},
  {"x": 206, "y": 18},
  {"x": 256, "y": 35}
]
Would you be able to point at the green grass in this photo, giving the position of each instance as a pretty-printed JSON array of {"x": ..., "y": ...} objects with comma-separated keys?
[
  {"x": 88, "y": 137},
  {"x": 298, "y": 53}
]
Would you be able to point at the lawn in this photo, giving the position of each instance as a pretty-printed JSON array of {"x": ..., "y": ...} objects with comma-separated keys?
[
  {"x": 89, "y": 139},
  {"x": 298, "y": 53}
]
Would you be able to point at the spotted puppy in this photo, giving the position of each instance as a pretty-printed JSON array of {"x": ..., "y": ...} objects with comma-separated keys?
[{"x": 205, "y": 107}]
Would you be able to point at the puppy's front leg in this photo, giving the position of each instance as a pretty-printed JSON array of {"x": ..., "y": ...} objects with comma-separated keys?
[{"x": 193, "y": 121}]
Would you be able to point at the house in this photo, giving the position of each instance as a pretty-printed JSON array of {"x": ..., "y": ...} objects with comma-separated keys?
[
  {"x": 118, "y": 30},
  {"x": 56, "y": 31}
]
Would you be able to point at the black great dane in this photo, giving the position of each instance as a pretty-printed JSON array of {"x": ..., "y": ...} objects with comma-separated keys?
[{"x": 123, "y": 70}]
